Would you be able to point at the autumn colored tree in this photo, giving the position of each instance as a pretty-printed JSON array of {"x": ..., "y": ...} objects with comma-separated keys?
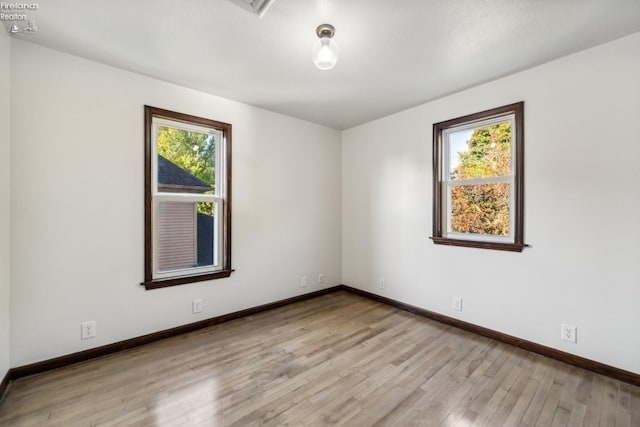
[{"x": 483, "y": 208}]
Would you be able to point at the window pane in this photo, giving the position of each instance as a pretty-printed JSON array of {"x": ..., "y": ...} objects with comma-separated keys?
[
  {"x": 480, "y": 153},
  {"x": 186, "y": 161},
  {"x": 185, "y": 235},
  {"x": 480, "y": 209},
  {"x": 206, "y": 234},
  {"x": 176, "y": 236}
]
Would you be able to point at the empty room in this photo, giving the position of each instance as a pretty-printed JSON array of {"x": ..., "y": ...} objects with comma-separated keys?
[{"x": 320, "y": 212}]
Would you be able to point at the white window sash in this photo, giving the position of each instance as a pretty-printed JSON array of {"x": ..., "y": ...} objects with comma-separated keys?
[
  {"x": 219, "y": 189},
  {"x": 449, "y": 183},
  {"x": 217, "y": 199},
  {"x": 480, "y": 181}
]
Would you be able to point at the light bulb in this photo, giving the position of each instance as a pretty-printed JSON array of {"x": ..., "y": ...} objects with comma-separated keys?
[{"x": 325, "y": 51}]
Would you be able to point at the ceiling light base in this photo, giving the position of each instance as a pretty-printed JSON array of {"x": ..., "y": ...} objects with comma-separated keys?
[{"x": 325, "y": 30}]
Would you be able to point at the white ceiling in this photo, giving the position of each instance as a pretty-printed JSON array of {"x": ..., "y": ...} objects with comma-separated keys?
[{"x": 394, "y": 53}]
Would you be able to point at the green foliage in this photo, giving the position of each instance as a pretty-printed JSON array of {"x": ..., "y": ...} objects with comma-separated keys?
[
  {"x": 193, "y": 152},
  {"x": 489, "y": 153},
  {"x": 483, "y": 209}
]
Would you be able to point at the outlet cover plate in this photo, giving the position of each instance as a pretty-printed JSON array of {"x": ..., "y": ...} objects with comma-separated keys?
[
  {"x": 196, "y": 306},
  {"x": 88, "y": 329},
  {"x": 568, "y": 333},
  {"x": 456, "y": 303}
]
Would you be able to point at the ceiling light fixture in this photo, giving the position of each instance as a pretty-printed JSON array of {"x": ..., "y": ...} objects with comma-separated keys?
[{"x": 325, "y": 51}]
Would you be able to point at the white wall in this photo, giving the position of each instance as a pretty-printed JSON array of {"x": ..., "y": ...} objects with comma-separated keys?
[
  {"x": 582, "y": 204},
  {"x": 5, "y": 49},
  {"x": 77, "y": 205}
]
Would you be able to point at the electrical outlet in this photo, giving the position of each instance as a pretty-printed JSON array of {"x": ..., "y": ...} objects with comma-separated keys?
[
  {"x": 88, "y": 329},
  {"x": 456, "y": 303},
  {"x": 321, "y": 278},
  {"x": 382, "y": 285},
  {"x": 303, "y": 281},
  {"x": 196, "y": 305},
  {"x": 568, "y": 333}
]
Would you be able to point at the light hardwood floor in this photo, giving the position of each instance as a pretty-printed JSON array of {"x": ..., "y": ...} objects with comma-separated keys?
[{"x": 339, "y": 359}]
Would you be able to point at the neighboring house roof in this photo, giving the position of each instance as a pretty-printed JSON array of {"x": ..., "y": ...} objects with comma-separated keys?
[{"x": 172, "y": 177}]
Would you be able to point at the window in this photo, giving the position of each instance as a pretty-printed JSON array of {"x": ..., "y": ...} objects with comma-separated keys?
[
  {"x": 187, "y": 199},
  {"x": 478, "y": 185}
]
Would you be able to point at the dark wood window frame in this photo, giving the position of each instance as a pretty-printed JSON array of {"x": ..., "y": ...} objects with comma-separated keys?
[
  {"x": 149, "y": 282},
  {"x": 438, "y": 236}
]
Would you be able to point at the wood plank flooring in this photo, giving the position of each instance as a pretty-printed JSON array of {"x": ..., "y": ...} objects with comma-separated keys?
[{"x": 339, "y": 359}]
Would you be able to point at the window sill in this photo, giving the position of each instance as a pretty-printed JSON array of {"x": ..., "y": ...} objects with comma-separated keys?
[
  {"x": 175, "y": 281},
  {"x": 512, "y": 247}
]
